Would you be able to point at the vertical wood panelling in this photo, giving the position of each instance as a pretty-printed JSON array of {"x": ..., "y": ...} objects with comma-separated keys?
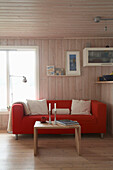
[
  {"x": 43, "y": 69},
  {"x": 66, "y": 79},
  {"x": 17, "y": 42},
  {"x": 79, "y": 78},
  {"x": 4, "y": 121},
  {"x": 11, "y": 42},
  {"x": 84, "y": 74},
  {"x": 72, "y": 80},
  {"x": 53, "y": 52},
  {"x": 24, "y": 42},
  {"x": 98, "y": 87},
  {"x": 92, "y": 78},
  {"x": 58, "y": 64},
  {"x": 3, "y": 42},
  {"x": 98, "y": 73},
  {"x": 30, "y": 42},
  {"x": 91, "y": 83},
  {"x": 44, "y": 59},
  {"x": 107, "y": 97},
  {"x": 58, "y": 49},
  {"x": 59, "y": 89},
  {"x": 52, "y": 59}
]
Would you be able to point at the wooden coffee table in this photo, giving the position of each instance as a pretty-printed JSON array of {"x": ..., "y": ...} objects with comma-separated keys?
[{"x": 39, "y": 125}]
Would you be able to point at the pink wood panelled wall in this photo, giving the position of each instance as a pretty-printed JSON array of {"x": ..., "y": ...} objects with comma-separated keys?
[
  {"x": 107, "y": 97},
  {"x": 53, "y": 52}
]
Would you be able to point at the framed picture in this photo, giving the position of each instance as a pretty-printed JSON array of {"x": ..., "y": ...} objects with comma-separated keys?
[
  {"x": 73, "y": 63},
  {"x": 59, "y": 71},
  {"x": 50, "y": 70}
]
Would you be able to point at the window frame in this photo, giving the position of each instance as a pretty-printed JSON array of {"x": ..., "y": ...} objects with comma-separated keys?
[{"x": 8, "y": 48}]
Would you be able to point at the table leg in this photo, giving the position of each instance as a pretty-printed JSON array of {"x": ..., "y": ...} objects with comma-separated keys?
[
  {"x": 78, "y": 139},
  {"x": 35, "y": 141}
]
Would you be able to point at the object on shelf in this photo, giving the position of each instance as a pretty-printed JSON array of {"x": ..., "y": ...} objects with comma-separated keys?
[
  {"x": 108, "y": 77},
  {"x": 105, "y": 78},
  {"x": 100, "y": 79},
  {"x": 111, "y": 73},
  {"x": 59, "y": 71},
  {"x": 50, "y": 70}
]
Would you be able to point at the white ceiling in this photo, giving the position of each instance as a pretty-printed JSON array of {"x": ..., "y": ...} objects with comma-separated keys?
[{"x": 55, "y": 18}]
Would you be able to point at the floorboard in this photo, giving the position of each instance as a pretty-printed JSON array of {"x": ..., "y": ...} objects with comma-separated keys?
[{"x": 56, "y": 152}]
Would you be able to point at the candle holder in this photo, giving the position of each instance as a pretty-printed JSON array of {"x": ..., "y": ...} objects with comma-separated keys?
[
  {"x": 55, "y": 118},
  {"x": 50, "y": 117}
]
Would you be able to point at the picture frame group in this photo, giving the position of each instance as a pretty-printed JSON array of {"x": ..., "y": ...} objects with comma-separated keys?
[
  {"x": 51, "y": 70},
  {"x": 72, "y": 66}
]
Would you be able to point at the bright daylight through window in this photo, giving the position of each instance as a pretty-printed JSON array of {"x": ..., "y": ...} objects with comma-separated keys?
[{"x": 17, "y": 76}]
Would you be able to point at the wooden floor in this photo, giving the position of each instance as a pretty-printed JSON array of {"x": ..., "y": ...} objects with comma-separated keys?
[{"x": 56, "y": 152}]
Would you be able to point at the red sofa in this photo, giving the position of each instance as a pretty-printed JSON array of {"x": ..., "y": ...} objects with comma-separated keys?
[{"x": 95, "y": 123}]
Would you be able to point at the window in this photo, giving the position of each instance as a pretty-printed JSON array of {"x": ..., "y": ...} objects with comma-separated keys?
[{"x": 17, "y": 66}]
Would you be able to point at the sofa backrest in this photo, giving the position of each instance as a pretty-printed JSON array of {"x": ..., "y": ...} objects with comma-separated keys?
[{"x": 65, "y": 104}]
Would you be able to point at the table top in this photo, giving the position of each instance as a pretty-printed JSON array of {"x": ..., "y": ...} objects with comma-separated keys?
[{"x": 40, "y": 125}]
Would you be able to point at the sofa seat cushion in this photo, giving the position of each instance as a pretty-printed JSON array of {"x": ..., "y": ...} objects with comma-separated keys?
[
  {"x": 82, "y": 119},
  {"x": 29, "y": 121},
  {"x": 34, "y": 117}
]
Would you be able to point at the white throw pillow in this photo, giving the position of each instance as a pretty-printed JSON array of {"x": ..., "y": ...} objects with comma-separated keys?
[
  {"x": 61, "y": 111},
  {"x": 38, "y": 107},
  {"x": 80, "y": 107}
]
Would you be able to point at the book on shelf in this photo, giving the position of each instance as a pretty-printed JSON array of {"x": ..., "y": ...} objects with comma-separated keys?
[{"x": 67, "y": 122}]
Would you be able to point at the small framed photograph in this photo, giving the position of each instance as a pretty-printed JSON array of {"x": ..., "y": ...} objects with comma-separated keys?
[
  {"x": 73, "y": 63},
  {"x": 59, "y": 71},
  {"x": 50, "y": 70}
]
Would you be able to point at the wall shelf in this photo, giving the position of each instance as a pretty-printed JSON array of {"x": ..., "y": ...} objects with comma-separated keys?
[
  {"x": 61, "y": 75},
  {"x": 104, "y": 82}
]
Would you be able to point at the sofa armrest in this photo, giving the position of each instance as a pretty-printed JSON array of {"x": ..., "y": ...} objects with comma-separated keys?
[
  {"x": 17, "y": 116},
  {"x": 99, "y": 111}
]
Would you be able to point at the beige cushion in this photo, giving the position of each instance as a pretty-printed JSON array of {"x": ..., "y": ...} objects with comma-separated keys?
[
  {"x": 61, "y": 111},
  {"x": 26, "y": 108},
  {"x": 38, "y": 107},
  {"x": 80, "y": 107}
]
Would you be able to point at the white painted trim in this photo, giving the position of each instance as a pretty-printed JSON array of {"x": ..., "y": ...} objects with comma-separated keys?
[
  {"x": 8, "y": 89},
  {"x": 37, "y": 74}
]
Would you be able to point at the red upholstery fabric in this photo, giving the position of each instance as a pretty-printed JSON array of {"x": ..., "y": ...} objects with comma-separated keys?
[{"x": 95, "y": 123}]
